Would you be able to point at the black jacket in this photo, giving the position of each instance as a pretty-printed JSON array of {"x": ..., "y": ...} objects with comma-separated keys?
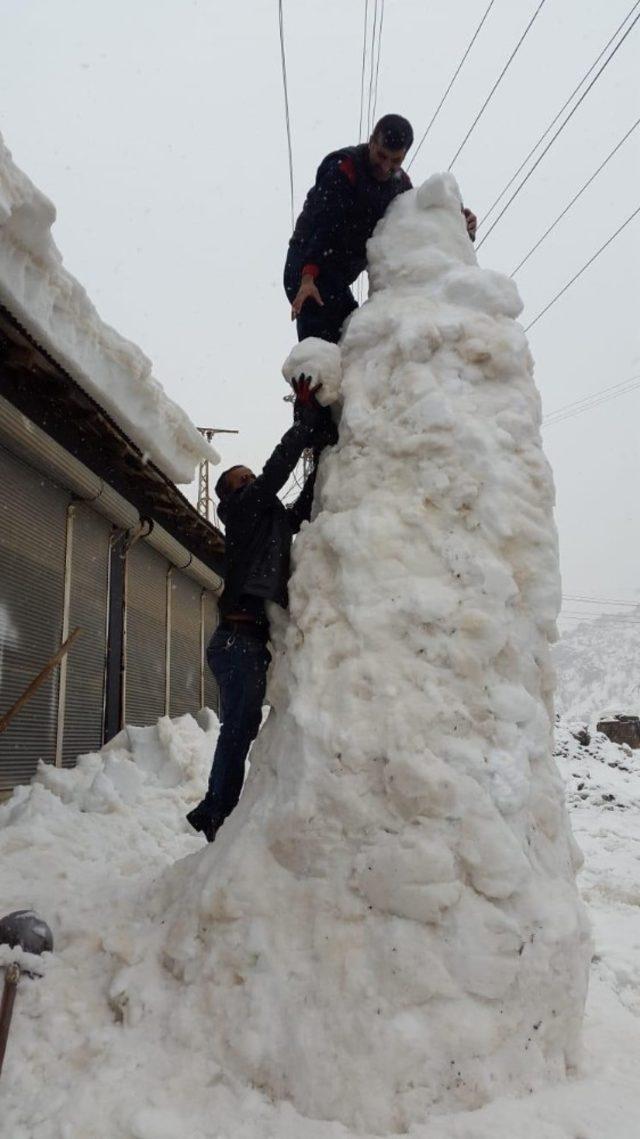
[
  {"x": 259, "y": 529},
  {"x": 342, "y": 210}
]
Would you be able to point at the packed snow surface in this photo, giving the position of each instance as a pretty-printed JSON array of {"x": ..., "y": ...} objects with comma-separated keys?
[
  {"x": 386, "y": 935},
  {"x": 84, "y": 848},
  {"x": 319, "y": 360},
  {"x": 388, "y": 927},
  {"x": 56, "y": 310}
]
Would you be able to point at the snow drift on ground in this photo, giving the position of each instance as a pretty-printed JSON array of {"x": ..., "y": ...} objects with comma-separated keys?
[
  {"x": 598, "y": 668},
  {"x": 388, "y": 925},
  {"x": 56, "y": 310},
  {"x": 84, "y": 847}
]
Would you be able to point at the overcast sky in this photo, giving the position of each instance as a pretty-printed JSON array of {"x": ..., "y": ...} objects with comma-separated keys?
[{"x": 157, "y": 128}]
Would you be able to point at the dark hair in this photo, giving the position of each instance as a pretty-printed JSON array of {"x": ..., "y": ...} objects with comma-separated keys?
[
  {"x": 394, "y": 132},
  {"x": 220, "y": 487}
]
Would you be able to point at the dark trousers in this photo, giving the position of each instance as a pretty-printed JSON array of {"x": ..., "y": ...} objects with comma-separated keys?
[
  {"x": 239, "y": 663},
  {"x": 324, "y": 321}
]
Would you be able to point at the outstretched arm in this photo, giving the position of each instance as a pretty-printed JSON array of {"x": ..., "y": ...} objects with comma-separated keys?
[
  {"x": 328, "y": 211},
  {"x": 281, "y": 463},
  {"x": 300, "y": 510}
]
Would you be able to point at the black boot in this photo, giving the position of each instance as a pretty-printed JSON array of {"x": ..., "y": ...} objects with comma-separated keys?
[{"x": 204, "y": 820}]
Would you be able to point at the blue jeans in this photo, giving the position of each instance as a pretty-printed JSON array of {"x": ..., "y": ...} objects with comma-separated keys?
[{"x": 239, "y": 663}]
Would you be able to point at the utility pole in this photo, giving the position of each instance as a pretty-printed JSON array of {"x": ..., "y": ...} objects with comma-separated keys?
[{"x": 205, "y": 501}]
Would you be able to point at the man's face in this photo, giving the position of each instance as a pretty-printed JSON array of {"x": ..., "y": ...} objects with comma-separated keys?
[
  {"x": 384, "y": 162},
  {"x": 238, "y": 477}
]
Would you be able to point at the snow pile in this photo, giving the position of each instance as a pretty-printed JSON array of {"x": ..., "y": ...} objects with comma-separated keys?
[
  {"x": 84, "y": 1062},
  {"x": 158, "y": 768},
  {"x": 598, "y": 667},
  {"x": 54, "y": 307},
  {"x": 389, "y": 925}
]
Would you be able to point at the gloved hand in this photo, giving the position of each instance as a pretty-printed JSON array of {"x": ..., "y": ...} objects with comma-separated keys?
[{"x": 306, "y": 408}]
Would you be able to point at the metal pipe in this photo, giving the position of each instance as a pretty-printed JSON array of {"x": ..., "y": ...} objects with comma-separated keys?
[
  {"x": 113, "y": 688},
  {"x": 203, "y": 594},
  {"x": 64, "y": 633},
  {"x": 41, "y": 451},
  {"x": 133, "y": 536},
  {"x": 167, "y": 643}
]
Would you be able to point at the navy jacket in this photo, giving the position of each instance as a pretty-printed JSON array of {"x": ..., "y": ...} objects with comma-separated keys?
[
  {"x": 259, "y": 528},
  {"x": 341, "y": 212}
]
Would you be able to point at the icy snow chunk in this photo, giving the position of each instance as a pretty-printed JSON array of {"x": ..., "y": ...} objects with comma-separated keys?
[
  {"x": 439, "y": 190},
  {"x": 412, "y": 877},
  {"x": 320, "y": 360}
]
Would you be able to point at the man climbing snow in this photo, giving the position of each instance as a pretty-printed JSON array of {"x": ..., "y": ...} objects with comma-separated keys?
[
  {"x": 327, "y": 252},
  {"x": 259, "y": 532}
]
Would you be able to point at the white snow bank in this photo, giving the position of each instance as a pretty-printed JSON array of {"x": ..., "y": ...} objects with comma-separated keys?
[
  {"x": 388, "y": 926},
  {"x": 83, "y": 1062},
  {"x": 56, "y": 310}
]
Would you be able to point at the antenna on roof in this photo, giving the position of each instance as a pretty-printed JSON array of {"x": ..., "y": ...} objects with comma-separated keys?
[{"x": 206, "y": 505}]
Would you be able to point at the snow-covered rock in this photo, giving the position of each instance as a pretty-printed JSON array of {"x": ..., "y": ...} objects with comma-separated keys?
[
  {"x": 388, "y": 925},
  {"x": 55, "y": 308}
]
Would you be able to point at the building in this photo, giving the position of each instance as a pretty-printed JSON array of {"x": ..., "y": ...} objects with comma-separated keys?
[{"x": 94, "y": 533}]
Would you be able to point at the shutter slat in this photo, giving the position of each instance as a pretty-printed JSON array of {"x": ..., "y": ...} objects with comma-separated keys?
[
  {"x": 211, "y": 618},
  {"x": 32, "y": 543},
  {"x": 185, "y": 645},
  {"x": 84, "y": 704},
  {"x": 146, "y": 626}
]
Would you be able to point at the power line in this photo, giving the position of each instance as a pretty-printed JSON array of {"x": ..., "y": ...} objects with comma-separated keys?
[
  {"x": 581, "y": 271},
  {"x": 575, "y": 198},
  {"x": 497, "y": 82},
  {"x": 371, "y": 64},
  {"x": 587, "y": 399},
  {"x": 592, "y": 401},
  {"x": 375, "y": 86},
  {"x": 619, "y": 621},
  {"x": 558, "y": 132},
  {"x": 560, "y": 112},
  {"x": 286, "y": 108},
  {"x": 451, "y": 82},
  {"x": 364, "y": 66},
  {"x": 374, "y": 72},
  {"x": 598, "y": 600},
  {"x": 362, "y": 75}
]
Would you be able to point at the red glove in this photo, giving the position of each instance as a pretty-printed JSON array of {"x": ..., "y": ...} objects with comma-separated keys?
[
  {"x": 306, "y": 407},
  {"x": 304, "y": 393}
]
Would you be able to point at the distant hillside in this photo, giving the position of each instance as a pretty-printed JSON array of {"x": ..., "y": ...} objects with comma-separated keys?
[{"x": 598, "y": 667}]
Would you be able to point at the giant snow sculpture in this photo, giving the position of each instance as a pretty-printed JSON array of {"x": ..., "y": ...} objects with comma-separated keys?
[{"x": 389, "y": 925}]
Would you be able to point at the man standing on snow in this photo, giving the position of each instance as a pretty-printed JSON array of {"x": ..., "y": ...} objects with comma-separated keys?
[
  {"x": 327, "y": 252},
  {"x": 259, "y": 532}
]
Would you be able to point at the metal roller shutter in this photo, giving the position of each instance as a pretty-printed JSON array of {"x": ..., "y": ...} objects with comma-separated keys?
[
  {"x": 84, "y": 701},
  {"x": 146, "y": 600},
  {"x": 185, "y": 645},
  {"x": 32, "y": 549},
  {"x": 211, "y": 618}
]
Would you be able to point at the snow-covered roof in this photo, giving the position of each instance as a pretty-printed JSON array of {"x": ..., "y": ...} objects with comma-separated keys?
[{"x": 55, "y": 309}]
